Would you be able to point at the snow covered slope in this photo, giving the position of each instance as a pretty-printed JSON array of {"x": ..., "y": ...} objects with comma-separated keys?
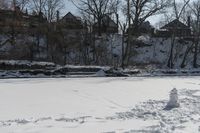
[
  {"x": 98, "y": 105},
  {"x": 154, "y": 50},
  {"x": 157, "y": 50}
]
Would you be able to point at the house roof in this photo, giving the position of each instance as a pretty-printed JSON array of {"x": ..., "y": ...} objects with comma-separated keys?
[
  {"x": 69, "y": 15},
  {"x": 175, "y": 24},
  {"x": 108, "y": 21}
]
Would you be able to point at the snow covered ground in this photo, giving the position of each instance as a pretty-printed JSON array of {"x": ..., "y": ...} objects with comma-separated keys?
[{"x": 99, "y": 105}]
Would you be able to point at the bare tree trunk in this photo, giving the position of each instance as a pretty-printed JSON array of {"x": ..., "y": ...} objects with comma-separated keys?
[
  {"x": 127, "y": 50},
  {"x": 170, "y": 63},
  {"x": 178, "y": 13},
  {"x": 185, "y": 56},
  {"x": 99, "y": 27},
  {"x": 195, "y": 65},
  {"x": 122, "y": 56},
  {"x": 197, "y": 34}
]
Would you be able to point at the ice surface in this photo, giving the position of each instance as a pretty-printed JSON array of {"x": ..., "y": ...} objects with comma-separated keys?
[{"x": 98, "y": 105}]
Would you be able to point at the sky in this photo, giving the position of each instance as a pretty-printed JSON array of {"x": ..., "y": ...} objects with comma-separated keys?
[{"x": 69, "y": 7}]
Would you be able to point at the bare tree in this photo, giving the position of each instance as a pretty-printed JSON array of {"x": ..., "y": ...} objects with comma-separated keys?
[
  {"x": 48, "y": 7},
  {"x": 179, "y": 8},
  {"x": 22, "y": 4},
  {"x": 138, "y": 11},
  {"x": 88, "y": 38},
  {"x": 195, "y": 14},
  {"x": 96, "y": 9},
  {"x": 38, "y": 5},
  {"x": 93, "y": 12},
  {"x": 51, "y": 7},
  {"x": 143, "y": 9},
  {"x": 123, "y": 27},
  {"x": 126, "y": 50},
  {"x": 178, "y": 11},
  {"x": 4, "y": 4}
]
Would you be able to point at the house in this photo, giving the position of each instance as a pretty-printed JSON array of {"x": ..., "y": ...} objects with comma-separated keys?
[
  {"x": 175, "y": 27},
  {"x": 70, "y": 26},
  {"x": 20, "y": 21},
  {"x": 69, "y": 21},
  {"x": 10, "y": 18},
  {"x": 108, "y": 25}
]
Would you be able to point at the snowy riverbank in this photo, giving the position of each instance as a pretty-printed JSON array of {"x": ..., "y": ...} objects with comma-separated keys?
[{"x": 28, "y": 69}]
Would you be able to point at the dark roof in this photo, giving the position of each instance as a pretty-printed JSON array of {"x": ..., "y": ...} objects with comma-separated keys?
[
  {"x": 175, "y": 24},
  {"x": 69, "y": 15},
  {"x": 109, "y": 22}
]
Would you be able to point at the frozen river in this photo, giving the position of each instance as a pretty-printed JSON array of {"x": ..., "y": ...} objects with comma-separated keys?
[{"x": 99, "y": 105}]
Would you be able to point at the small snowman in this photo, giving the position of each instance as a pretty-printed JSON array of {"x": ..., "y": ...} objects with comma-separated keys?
[{"x": 173, "y": 99}]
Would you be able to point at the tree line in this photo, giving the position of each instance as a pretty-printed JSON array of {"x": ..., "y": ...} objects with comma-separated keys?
[
  {"x": 128, "y": 13},
  {"x": 47, "y": 7}
]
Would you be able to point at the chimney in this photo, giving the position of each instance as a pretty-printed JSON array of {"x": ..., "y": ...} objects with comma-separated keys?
[
  {"x": 57, "y": 15},
  {"x": 189, "y": 21}
]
